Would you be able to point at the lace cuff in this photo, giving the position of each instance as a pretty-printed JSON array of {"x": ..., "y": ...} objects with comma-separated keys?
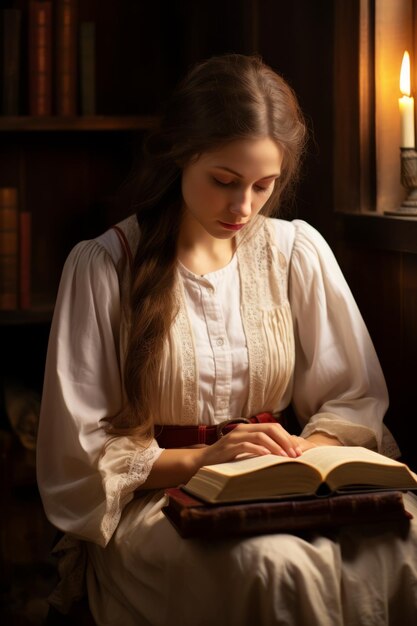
[{"x": 124, "y": 467}]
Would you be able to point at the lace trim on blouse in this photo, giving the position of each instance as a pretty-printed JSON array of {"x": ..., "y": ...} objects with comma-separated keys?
[
  {"x": 120, "y": 487},
  {"x": 188, "y": 366},
  {"x": 266, "y": 318}
]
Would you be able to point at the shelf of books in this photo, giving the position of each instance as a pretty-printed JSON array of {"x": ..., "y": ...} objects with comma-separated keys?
[
  {"x": 67, "y": 59},
  {"x": 14, "y": 252},
  {"x": 16, "y": 300},
  {"x": 46, "y": 42},
  {"x": 68, "y": 130}
]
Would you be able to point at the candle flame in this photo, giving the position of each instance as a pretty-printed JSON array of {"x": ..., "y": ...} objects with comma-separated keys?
[{"x": 405, "y": 87}]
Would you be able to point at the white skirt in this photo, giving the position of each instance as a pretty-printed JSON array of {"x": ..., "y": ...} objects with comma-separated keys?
[{"x": 149, "y": 576}]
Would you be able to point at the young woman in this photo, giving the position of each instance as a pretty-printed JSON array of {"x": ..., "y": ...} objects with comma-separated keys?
[{"x": 197, "y": 309}]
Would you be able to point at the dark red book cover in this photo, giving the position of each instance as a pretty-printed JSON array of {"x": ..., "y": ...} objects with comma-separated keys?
[
  {"x": 8, "y": 247},
  {"x": 194, "y": 518},
  {"x": 40, "y": 57},
  {"x": 25, "y": 260},
  {"x": 66, "y": 70}
]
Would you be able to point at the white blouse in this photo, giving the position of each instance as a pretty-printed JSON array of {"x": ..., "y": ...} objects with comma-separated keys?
[{"x": 334, "y": 382}]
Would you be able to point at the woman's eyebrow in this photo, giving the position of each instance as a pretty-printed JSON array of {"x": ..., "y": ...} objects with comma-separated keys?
[{"x": 231, "y": 171}]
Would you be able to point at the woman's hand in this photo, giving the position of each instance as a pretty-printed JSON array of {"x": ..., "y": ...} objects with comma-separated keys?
[
  {"x": 258, "y": 439},
  {"x": 176, "y": 466}
]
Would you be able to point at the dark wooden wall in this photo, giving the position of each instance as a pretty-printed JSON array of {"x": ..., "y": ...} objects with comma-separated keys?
[{"x": 381, "y": 269}]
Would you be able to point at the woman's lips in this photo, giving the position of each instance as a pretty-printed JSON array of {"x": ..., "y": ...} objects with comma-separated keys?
[{"x": 231, "y": 226}]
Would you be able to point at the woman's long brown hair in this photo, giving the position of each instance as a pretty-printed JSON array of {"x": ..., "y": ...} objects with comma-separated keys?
[{"x": 223, "y": 99}]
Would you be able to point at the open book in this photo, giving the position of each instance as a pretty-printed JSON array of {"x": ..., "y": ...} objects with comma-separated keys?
[{"x": 318, "y": 471}]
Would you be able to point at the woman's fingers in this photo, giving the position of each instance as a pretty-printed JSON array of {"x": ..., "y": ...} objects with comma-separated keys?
[
  {"x": 272, "y": 436},
  {"x": 257, "y": 439},
  {"x": 221, "y": 452}
]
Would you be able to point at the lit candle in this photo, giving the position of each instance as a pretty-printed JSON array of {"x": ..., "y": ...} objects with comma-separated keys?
[{"x": 406, "y": 103}]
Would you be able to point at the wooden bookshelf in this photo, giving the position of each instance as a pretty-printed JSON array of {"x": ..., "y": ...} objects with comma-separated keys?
[{"x": 68, "y": 169}]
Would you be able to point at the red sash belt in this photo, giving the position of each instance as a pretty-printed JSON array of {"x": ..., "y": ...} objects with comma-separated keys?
[{"x": 169, "y": 436}]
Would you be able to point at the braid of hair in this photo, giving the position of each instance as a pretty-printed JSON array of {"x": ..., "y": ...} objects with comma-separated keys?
[{"x": 153, "y": 309}]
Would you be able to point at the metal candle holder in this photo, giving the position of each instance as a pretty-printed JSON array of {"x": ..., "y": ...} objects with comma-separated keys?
[{"x": 409, "y": 181}]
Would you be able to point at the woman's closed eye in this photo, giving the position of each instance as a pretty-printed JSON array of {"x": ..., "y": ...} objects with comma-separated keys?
[
  {"x": 230, "y": 183},
  {"x": 261, "y": 188},
  {"x": 223, "y": 183}
]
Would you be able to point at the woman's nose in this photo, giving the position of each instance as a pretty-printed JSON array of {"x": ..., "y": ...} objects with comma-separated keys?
[{"x": 241, "y": 204}]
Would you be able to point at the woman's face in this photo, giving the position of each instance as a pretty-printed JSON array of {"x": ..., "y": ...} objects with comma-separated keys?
[{"x": 225, "y": 189}]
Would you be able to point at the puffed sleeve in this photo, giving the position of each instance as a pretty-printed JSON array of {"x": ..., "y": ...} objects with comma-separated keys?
[
  {"x": 339, "y": 388},
  {"x": 86, "y": 478}
]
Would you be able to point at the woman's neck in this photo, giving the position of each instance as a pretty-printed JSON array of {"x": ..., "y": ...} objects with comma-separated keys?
[
  {"x": 204, "y": 254},
  {"x": 201, "y": 259}
]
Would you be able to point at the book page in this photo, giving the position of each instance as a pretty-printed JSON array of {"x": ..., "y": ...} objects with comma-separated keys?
[
  {"x": 325, "y": 458},
  {"x": 248, "y": 464}
]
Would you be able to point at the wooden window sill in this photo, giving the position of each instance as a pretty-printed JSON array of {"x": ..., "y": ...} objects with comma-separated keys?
[{"x": 376, "y": 230}]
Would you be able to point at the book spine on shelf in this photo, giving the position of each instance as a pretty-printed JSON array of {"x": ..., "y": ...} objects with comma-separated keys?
[
  {"x": 88, "y": 68},
  {"x": 66, "y": 57},
  {"x": 8, "y": 247},
  {"x": 25, "y": 261},
  {"x": 11, "y": 60},
  {"x": 40, "y": 57}
]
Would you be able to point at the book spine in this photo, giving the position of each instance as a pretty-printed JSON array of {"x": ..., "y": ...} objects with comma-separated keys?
[
  {"x": 25, "y": 261},
  {"x": 8, "y": 247},
  {"x": 40, "y": 58},
  {"x": 11, "y": 60},
  {"x": 88, "y": 67},
  {"x": 66, "y": 57}
]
